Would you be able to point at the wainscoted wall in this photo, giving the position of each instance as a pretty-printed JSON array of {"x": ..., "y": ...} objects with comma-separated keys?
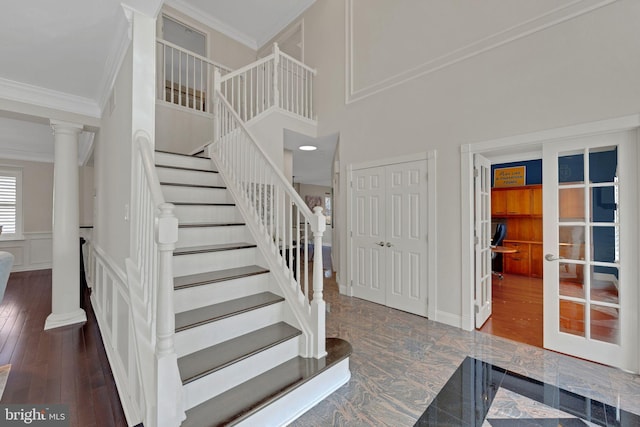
[
  {"x": 34, "y": 252},
  {"x": 111, "y": 304}
]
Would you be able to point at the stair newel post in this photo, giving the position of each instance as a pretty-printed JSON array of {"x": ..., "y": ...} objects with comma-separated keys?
[
  {"x": 318, "y": 311},
  {"x": 169, "y": 385},
  {"x": 276, "y": 66}
]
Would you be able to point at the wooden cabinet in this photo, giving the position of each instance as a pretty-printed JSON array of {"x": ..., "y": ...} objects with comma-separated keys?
[
  {"x": 516, "y": 201},
  {"x": 518, "y": 262},
  {"x": 526, "y": 261},
  {"x": 536, "y": 259},
  {"x": 536, "y": 201},
  {"x": 521, "y": 209},
  {"x": 498, "y": 203}
]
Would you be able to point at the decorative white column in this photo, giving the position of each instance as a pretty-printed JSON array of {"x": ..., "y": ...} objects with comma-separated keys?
[{"x": 65, "y": 289}]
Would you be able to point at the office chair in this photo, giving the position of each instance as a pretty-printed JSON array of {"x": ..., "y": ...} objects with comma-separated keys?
[{"x": 498, "y": 238}]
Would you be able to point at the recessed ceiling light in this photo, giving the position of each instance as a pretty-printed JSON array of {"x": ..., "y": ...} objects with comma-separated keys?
[{"x": 308, "y": 147}]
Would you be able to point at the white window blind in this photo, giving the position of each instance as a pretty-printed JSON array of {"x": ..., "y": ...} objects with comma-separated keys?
[{"x": 10, "y": 202}]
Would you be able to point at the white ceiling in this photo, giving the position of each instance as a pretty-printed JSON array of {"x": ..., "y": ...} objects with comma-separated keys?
[
  {"x": 311, "y": 167},
  {"x": 63, "y": 55}
]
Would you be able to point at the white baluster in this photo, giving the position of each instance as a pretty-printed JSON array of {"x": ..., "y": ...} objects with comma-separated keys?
[{"x": 276, "y": 62}]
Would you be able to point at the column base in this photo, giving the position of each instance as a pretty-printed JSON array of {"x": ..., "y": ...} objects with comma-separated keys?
[{"x": 63, "y": 319}]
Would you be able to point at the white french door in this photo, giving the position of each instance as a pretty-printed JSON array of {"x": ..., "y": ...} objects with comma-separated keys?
[
  {"x": 482, "y": 197},
  {"x": 389, "y": 235},
  {"x": 590, "y": 244}
]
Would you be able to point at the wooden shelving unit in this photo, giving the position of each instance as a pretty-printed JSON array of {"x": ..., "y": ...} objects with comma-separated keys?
[{"x": 521, "y": 209}]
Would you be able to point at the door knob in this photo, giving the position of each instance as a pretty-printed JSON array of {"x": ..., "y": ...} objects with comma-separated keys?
[
  {"x": 551, "y": 257},
  {"x": 380, "y": 243},
  {"x": 389, "y": 244}
]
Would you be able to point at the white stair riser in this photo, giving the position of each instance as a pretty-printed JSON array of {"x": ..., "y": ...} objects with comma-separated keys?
[
  {"x": 184, "y": 265},
  {"x": 213, "y": 293},
  {"x": 220, "y": 381},
  {"x": 288, "y": 408},
  {"x": 183, "y": 161},
  {"x": 173, "y": 193},
  {"x": 205, "y": 213},
  {"x": 200, "y": 236},
  {"x": 189, "y": 177},
  {"x": 203, "y": 336}
]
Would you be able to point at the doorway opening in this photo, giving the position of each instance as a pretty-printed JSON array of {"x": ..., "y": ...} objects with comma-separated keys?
[{"x": 517, "y": 264}]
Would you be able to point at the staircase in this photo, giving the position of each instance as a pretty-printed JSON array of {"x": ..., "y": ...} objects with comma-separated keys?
[{"x": 238, "y": 341}]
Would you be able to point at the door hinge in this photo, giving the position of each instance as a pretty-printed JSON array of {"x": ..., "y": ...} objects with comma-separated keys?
[
  {"x": 476, "y": 173},
  {"x": 477, "y": 308},
  {"x": 476, "y": 240}
]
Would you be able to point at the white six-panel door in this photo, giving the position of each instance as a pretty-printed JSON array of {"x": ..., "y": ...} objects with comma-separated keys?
[{"x": 390, "y": 235}]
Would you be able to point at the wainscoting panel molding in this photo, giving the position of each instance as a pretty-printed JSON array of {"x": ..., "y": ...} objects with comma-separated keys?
[
  {"x": 34, "y": 252},
  {"x": 356, "y": 89}
]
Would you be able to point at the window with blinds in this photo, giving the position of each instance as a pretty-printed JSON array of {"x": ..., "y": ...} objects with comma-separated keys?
[{"x": 10, "y": 182}]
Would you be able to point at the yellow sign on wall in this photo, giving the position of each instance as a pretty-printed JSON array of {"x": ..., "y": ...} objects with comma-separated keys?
[{"x": 509, "y": 177}]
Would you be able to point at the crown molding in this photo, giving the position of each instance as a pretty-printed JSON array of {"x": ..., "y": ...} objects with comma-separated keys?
[
  {"x": 213, "y": 22},
  {"x": 36, "y": 95},
  {"x": 528, "y": 27}
]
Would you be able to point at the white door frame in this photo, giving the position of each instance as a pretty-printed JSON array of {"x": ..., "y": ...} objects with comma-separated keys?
[
  {"x": 504, "y": 149},
  {"x": 432, "y": 242}
]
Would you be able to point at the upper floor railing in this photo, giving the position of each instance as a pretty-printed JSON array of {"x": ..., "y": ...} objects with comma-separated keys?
[
  {"x": 185, "y": 78},
  {"x": 277, "y": 80}
]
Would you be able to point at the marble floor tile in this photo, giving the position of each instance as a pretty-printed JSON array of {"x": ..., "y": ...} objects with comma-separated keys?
[{"x": 401, "y": 362}]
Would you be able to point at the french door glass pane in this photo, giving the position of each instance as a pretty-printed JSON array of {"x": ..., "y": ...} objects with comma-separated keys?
[
  {"x": 604, "y": 324},
  {"x": 604, "y": 284},
  {"x": 603, "y": 164},
  {"x": 571, "y": 168},
  {"x": 572, "y": 317},
  {"x": 571, "y": 280}
]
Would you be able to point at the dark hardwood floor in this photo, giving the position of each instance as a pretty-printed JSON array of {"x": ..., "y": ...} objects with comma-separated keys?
[{"x": 65, "y": 365}]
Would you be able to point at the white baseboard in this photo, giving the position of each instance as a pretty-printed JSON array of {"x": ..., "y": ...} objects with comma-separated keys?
[{"x": 448, "y": 319}]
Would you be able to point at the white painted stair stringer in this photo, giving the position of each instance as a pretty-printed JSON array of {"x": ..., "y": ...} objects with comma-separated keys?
[{"x": 222, "y": 380}]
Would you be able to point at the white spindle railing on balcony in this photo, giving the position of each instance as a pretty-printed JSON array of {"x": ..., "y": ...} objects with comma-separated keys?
[
  {"x": 185, "y": 78},
  {"x": 277, "y": 80},
  {"x": 286, "y": 224},
  {"x": 155, "y": 231}
]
